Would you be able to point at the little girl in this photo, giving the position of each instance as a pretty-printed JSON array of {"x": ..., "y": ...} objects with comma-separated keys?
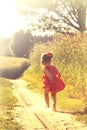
[{"x": 51, "y": 79}]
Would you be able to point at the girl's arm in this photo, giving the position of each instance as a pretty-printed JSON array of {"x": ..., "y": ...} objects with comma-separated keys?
[
  {"x": 58, "y": 73},
  {"x": 49, "y": 75}
]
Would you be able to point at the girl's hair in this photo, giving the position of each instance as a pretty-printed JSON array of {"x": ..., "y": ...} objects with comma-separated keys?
[{"x": 46, "y": 57}]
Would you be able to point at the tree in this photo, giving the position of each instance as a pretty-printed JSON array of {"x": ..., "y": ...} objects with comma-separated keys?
[
  {"x": 73, "y": 13},
  {"x": 21, "y": 44},
  {"x": 4, "y": 47},
  {"x": 69, "y": 12}
]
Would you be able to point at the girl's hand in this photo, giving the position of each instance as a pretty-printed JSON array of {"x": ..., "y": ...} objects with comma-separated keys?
[
  {"x": 58, "y": 74},
  {"x": 49, "y": 75}
]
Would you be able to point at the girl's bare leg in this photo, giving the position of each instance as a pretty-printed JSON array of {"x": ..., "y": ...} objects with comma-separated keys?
[
  {"x": 46, "y": 94},
  {"x": 54, "y": 102}
]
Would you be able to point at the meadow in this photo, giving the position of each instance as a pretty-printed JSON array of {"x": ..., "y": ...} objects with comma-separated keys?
[
  {"x": 12, "y": 67},
  {"x": 70, "y": 58}
]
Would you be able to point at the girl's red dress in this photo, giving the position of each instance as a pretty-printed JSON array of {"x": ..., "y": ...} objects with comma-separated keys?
[{"x": 57, "y": 85}]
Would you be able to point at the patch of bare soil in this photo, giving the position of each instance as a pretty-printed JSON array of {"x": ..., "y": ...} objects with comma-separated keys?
[{"x": 32, "y": 114}]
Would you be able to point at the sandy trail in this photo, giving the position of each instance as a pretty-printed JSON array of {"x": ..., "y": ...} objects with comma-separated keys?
[{"x": 32, "y": 115}]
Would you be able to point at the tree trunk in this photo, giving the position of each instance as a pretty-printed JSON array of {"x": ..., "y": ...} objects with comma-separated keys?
[{"x": 82, "y": 15}]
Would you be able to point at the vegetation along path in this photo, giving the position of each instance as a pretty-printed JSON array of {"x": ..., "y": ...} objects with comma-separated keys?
[{"x": 32, "y": 114}]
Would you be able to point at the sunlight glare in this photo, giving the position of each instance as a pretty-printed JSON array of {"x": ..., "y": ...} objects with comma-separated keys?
[{"x": 10, "y": 20}]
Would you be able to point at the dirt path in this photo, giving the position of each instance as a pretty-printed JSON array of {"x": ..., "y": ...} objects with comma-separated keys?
[{"x": 32, "y": 114}]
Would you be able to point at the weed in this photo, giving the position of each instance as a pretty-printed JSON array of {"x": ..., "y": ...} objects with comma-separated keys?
[{"x": 7, "y": 105}]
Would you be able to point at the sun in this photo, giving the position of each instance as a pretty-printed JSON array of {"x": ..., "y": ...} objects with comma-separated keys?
[{"x": 10, "y": 20}]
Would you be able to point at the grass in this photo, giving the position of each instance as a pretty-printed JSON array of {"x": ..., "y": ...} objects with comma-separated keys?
[
  {"x": 8, "y": 62},
  {"x": 12, "y": 67},
  {"x": 34, "y": 77},
  {"x": 72, "y": 105},
  {"x": 7, "y": 105}
]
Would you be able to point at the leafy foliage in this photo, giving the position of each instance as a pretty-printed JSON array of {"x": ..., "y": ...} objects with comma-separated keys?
[
  {"x": 69, "y": 14},
  {"x": 4, "y": 44},
  {"x": 21, "y": 44}
]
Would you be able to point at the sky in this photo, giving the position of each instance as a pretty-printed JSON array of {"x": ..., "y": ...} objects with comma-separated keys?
[{"x": 10, "y": 20}]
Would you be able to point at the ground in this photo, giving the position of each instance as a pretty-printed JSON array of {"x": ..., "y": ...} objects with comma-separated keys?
[{"x": 33, "y": 115}]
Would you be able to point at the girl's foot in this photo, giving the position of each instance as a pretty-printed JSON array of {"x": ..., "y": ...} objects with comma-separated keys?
[
  {"x": 54, "y": 109},
  {"x": 47, "y": 106}
]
